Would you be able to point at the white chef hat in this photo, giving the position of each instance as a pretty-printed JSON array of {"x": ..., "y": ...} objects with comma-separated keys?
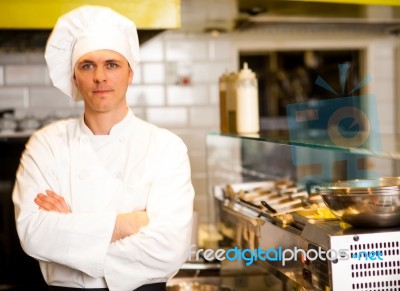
[{"x": 82, "y": 30}]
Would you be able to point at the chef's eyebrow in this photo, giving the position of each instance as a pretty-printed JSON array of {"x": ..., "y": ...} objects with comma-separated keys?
[
  {"x": 106, "y": 61},
  {"x": 113, "y": 61}
]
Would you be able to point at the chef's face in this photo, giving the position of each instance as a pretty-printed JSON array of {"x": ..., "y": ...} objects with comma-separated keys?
[{"x": 102, "y": 77}]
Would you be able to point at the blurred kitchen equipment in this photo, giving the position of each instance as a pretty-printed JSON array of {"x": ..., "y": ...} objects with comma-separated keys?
[
  {"x": 314, "y": 215},
  {"x": 223, "y": 109},
  {"x": 8, "y": 122},
  {"x": 346, "y": 261},
  {"x": 364, "y": 203},
  {"x": 196, "y": 286},
  {"x": 275, "y": 198},
  {"x": 231, "y": 101},
  {"x": 266, "y": 205},
  {"x": 29, "y": 124},
  {"x": 6, "y": 111}
]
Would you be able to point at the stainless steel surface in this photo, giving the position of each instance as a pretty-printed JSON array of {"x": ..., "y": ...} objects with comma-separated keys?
[
  {"x": 196, "y": 286},
  {"x": 364, "y": 203},
  {"x": 200, "y": 266},
  {"x": 310, "y": 231}
]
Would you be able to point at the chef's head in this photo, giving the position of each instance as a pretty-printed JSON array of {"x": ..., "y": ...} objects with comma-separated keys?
[{"x": 83, "y": 30}]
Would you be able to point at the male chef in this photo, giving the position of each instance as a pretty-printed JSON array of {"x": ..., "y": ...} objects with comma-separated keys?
[{"x": 103, "y": 201}]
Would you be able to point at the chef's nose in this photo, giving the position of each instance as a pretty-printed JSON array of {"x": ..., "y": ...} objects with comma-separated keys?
[{"x": 99, "y": 75}]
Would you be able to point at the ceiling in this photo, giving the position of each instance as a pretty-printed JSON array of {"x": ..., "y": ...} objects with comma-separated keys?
[{"x": 241, "y": 15}]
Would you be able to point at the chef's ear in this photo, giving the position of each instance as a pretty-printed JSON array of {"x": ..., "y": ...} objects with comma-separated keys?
[{"x": 131, "y": 74}]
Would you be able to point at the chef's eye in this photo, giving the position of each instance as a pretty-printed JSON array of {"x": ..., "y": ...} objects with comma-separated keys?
[
  {"x": 87, "y": 66},
  {"x": 112, "y": 65}
]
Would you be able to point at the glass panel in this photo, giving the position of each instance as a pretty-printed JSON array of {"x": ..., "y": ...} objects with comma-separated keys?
[{"x": 271, "y": 156}]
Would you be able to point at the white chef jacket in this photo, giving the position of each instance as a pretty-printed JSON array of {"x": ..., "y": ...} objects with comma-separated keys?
[{"x": 138, "y": 166}]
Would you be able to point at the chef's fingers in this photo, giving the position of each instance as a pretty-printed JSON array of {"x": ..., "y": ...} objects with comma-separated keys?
[
  {"x": 60, "y": 201},
  {"x": 50, "y": 203},
  {"x": 53, "y": 194},
  {"x": 43, "y": 203}
]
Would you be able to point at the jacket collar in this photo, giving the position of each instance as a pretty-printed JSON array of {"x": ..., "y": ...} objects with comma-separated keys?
[{"x": 117, "y": 129}]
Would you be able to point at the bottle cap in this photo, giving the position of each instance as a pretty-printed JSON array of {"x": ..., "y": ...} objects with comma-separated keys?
[{"x": 245, "y": 72}]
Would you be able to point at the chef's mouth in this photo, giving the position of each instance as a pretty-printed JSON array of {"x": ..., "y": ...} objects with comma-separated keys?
[{"x": 101, "y": 91}]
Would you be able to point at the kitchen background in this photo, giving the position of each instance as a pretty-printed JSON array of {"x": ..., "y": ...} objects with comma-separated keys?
[{"x": 176, "y": 84}]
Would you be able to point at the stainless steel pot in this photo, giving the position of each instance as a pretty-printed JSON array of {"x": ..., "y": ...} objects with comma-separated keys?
[{"x": 364, "y": 203}]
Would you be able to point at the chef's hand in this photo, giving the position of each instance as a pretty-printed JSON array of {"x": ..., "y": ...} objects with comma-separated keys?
[
  {"x": 51, "y": 202},
  {"x": 127, "y": 224}
]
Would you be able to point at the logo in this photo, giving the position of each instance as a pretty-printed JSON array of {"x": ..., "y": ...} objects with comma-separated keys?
[
  {"x": 372, "y": 256},
  {"x": 347, "y": 124},
  {"x": 280, "y": 254}
]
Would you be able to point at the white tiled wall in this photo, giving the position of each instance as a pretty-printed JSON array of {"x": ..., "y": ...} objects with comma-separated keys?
[
  {"x": 28, "y": 74},
  {"x": 159, "y": 95}
]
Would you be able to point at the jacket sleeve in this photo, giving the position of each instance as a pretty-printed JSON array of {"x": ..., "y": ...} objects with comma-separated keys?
[
  {"x": 76, "y": 240},
  {"x": 157, "y": 252}
]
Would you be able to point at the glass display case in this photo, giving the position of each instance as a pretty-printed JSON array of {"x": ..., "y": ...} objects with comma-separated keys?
[
  {"x": 239, "y": 164},
  {"x": 233, "y": 158}
]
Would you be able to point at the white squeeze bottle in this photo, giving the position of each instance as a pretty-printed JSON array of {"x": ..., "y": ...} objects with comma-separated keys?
[{"x": 247, "y": 116}]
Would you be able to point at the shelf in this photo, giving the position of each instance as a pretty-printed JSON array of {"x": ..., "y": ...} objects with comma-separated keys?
[{"x": 387, "y": 147}]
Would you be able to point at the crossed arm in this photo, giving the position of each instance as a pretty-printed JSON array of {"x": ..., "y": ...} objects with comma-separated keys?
[{"x": 126, "y": 224}]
